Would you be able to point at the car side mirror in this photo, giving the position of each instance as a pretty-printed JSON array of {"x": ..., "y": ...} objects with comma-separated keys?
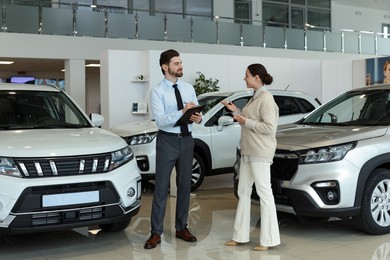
[
  {"x": 224, "y": 121},
  {"x": 97, "y": 120}
]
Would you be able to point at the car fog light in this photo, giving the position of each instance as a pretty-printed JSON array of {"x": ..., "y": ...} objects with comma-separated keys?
[
  {"x": 130, "y": 192},
  {"x": 143, "y": 163},
  {"x": 331, "y": 195},
  {"x": 328, "y": 191}
]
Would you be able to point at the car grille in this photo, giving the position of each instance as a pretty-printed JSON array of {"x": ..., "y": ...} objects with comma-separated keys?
[
  {"x": 285, "y": 165},
  {"x": 63, "y": 166}
]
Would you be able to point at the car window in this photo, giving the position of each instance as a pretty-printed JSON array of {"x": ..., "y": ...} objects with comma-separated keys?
[
  {"x": 305, "y": 105},
  {"x": 38, "y": 109},
  {"x": 354, "y": 108},
  {"x": 240, "y": 103},
  {"x": 209, "y": 102},
  {"x": 287, "y": 105}
]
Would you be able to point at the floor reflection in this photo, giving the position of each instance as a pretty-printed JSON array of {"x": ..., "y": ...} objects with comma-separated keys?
[{"x": 212, "y": 211}]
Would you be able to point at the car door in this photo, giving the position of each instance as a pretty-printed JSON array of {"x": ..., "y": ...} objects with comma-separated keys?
[{"x": 224, "y": 142}]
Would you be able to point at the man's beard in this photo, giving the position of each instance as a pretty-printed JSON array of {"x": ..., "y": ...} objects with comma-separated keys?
[{"x": 178, "y": 74}]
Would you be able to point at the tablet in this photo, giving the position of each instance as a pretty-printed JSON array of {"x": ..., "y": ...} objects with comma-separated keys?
[{"x": 185, "y": 118}]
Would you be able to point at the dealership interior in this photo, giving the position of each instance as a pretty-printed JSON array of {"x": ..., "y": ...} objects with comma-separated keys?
[{"x": 97, "y": 50}]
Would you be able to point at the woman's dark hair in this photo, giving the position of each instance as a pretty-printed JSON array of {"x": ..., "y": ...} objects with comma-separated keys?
[
  {"x": 166, "y": 57},
  {"x": 259, "y": 70}
]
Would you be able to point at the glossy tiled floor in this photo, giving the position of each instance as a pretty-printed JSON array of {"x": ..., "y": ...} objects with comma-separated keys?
[{"x": 211, "y": 219}]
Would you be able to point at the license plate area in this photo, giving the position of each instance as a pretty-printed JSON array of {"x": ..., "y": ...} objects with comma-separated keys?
[{"x": 66, "y": 199}]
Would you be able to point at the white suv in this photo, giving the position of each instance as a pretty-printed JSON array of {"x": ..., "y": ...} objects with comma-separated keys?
[
  {"x": 216, "y": 137},
  {"x": 336, "y": 161},
  {"x": 57, "y": 169}
]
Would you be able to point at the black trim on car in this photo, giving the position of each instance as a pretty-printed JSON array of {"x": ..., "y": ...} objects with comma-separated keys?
[
  {"x": 380, "y": 161},
  {"x": 30, "y": 215},
  {"x": 304, "y": 205}
]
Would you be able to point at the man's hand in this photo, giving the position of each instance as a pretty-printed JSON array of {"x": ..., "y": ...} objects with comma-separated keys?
[
  {"x": 197, "y": 117},
  {"x": 187, "y": 106}
]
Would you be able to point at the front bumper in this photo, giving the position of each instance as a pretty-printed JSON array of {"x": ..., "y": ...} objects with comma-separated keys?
[{"x": 117, "y": 196}]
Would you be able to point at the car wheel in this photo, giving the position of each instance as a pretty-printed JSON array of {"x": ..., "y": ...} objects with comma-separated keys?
[
  {"x": 198, "y": 171},
  {"x": 374, "y": 217},
  {"x": 114, "y": 227}
]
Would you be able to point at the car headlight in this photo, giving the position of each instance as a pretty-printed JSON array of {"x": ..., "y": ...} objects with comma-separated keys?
[
  {"x": 326, "y": 154},
  {"x": 141, "y": 139},
  {"x": 8, "y": 167},
  {"x": 121, "y": 157}
]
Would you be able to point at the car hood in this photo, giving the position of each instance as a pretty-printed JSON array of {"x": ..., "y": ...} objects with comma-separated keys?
[
  {"x": 135, "y": 128},
  {"x": 58, "y": 142},
  {"x": 297, "y": 136}
]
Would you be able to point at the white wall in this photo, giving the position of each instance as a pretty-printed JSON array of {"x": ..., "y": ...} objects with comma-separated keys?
[
  {"x": 357, "y": 18},
  {"x": 320, "y": 78}
]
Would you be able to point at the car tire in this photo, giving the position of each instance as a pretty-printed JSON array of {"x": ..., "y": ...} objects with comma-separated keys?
[
  {"x": 115, "y": 227},
  {"x": 198, "y": 171},
  {"x": 374, "y": 217}
]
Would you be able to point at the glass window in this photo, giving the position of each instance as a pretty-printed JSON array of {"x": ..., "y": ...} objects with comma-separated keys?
[
  {"x": 141, "y": 5},
  {"x": 319, "y": 3},
  {"x": 172, "y": 6},
  {"x": 81, "y": 5},
  {"x": 386, "y": 30},
  {"x": 112, "y": 3},
  {"x": 275, "y": 13},
  {"x": 242, "y": 12},
  {"x": 287, "y": 105},
  {"x": 203, "y": 8},
  {"x": 320, "y": 18},
  {"x": 306, "y": 105},
  {"x": 298, "y": 2}
]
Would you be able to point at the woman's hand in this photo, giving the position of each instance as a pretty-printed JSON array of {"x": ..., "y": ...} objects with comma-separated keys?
[
  {"x": 229, "y": 105},
  {"x": 240, "y": 119}
]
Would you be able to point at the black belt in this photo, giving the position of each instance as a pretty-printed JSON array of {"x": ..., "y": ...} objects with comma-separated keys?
[{"x": 180, "y": 135}]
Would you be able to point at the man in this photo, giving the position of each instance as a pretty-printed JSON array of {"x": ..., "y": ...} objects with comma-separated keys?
[{"x": 174, "y": 146}]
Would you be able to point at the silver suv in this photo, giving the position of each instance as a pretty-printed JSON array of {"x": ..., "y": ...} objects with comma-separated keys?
[
  {"x": 336, "y": 161},
  {"x": 216, "y": 137},
  {"x": 57, "y": 169}
]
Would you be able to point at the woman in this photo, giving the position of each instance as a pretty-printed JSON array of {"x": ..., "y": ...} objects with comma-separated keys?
[
  {"x": 258, "y": 143},
  {"x": 386, "y": 72}
]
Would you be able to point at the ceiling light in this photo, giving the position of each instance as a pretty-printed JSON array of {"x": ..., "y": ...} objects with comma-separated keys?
[
  {"x": 369, "y": 32},
  {"x": 96, "y": 65},
  {"x": 6, "y": 62},
  {"x": 347, "y": 30}
]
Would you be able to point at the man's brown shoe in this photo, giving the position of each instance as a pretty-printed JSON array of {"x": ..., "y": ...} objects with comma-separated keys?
[
  {"x": 153, "y": 241},
  {"x": 185, "y": 235}
]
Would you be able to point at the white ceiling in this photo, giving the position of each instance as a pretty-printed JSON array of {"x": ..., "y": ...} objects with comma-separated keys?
[{"x": 21, "y": 65}]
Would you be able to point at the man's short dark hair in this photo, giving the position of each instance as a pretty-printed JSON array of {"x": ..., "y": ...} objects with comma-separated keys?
[{"x": 166, "y": 57}]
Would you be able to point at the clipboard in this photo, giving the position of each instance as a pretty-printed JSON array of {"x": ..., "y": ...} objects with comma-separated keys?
[{"x": 185, "y": 118}]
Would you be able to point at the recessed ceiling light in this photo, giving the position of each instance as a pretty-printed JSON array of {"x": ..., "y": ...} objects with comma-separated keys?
[
  {"x": 96, "y": 65},
  {"x": 6, "y": 62}
]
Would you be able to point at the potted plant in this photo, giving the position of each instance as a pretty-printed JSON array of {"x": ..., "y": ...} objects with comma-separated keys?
[{"x": 203, "y": 85}]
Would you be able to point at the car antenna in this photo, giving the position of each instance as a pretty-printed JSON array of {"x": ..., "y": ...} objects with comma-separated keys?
[{"x": 287, "y": 87}]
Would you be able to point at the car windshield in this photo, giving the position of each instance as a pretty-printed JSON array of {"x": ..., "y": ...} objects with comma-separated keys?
[
  {"x": 38, "y": 110},
  {"x": 209, "y": 102},
  {"x": 364, "y": 107}
]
